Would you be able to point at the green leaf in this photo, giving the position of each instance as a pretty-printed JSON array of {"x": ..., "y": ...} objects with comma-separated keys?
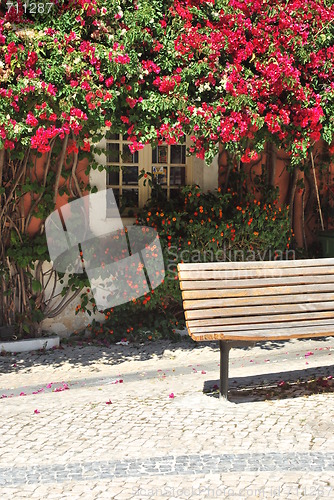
[{"x": 36, "y": 286}]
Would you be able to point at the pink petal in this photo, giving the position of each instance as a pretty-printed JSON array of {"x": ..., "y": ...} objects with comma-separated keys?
[
  {"x": 109, "y": 402},
  {"x": 36, "y": 411},
  {"x": 171, "y": 395}
]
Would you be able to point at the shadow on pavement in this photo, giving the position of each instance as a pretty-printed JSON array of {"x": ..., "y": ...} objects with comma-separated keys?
[
  {"x": 279, "y": 385},
  {"x": 77, "y": 355}
]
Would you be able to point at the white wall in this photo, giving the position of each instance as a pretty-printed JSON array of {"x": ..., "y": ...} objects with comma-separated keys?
[{"x": 206, "y": 176}]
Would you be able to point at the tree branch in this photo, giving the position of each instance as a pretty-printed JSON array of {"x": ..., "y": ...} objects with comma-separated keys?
[{"x": 60, "y": 168}]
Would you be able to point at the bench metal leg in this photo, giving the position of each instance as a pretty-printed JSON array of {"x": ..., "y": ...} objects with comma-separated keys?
[{"x": 224, "y": 353}]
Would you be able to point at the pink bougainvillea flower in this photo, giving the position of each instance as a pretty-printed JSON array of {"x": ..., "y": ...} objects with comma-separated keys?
[
  {"x": 22, "y": 394},
  {"x": 116, "y": 381},
  {"x": 310, "y": 353},
  {"x": 64, "y": 387},
  {"x": 108, "y": 402},
  {"x": 171, "y": 396},
  {"x": 36, "y": 411},
  {"x": 38, "y": 391},
  {"x": 203, "y": 372}
]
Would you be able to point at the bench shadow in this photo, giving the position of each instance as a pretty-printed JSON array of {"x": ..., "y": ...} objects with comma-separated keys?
[{"x": 274, "y": 386}]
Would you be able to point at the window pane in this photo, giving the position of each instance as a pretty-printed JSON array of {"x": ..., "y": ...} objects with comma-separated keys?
[
  {"x": 113, "y": 177},
  {"x": 177, "y": 176},
  {"x": 178, "y": 154},
  {"x": 160, "y": 174},
  {"x": 112, "y": 153},
  {"x": 129, "y": 198},
  {"x": 162, "y": 154},
  {"x": 130, "y": 175},
  {"x": 127, "y": 156}
]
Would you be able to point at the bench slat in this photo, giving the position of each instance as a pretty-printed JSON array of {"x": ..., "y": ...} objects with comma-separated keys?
[
  {"x": 254, "y": 283},
  {"x": 258, "y": 335},
  {"x": 244, "y": 311},
  {"x": 254, "y": 292},
  {"x": 256, "y": 264},
  {"x": 261, "y": 326},
  {"x": 254, "y": 273},
  {"x": 244, "y": 320},
  {"x": 257, "y": 301}
]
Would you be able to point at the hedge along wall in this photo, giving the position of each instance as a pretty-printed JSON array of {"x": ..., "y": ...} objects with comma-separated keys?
[{"x": 297, "y": 188}]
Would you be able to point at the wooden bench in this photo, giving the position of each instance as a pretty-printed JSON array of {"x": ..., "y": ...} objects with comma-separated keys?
[{"x": 257, "y": 301}]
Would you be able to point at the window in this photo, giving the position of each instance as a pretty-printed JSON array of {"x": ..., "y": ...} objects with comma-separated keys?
[
  {"x": 123, "y": 173},
  {"x": 168, "y": 164},
  {"x": 169, "y": 167}
]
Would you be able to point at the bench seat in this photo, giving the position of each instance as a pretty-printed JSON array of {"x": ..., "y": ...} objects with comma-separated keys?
[{"x": 257, "y": 301}]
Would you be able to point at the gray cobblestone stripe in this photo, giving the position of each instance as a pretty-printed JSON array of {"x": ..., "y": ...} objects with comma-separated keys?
[{"x": 169, "y": 465}]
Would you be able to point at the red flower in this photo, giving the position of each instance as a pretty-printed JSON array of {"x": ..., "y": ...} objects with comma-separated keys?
[{"x": 31, "y": 120}]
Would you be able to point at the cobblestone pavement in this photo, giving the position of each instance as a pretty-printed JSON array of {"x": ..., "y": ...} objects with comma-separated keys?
[{"x": 94, "y": 422}]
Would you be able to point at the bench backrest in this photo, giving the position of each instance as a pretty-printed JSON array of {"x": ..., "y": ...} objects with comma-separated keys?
[{"x": 228, "y": 296}]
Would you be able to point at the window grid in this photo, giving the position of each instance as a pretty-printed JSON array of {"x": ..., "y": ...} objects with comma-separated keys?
[
  {"x": 168, "y": 159},
  {"x": 166, "y": 162},
  {"x": 124, "y": 180}
]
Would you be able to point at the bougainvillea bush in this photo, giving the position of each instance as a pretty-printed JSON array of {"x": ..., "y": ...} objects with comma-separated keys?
[{"x": 224, "y": 72}]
